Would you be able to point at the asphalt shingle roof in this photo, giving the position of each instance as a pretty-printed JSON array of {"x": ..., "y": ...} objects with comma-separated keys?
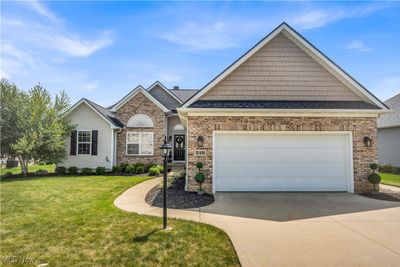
[
  {"x": 184, "y": 94},
  {"x": 284, "y": 104},
  {"x": 391, "y": 119},
  {"x": 106, "y": 113}
]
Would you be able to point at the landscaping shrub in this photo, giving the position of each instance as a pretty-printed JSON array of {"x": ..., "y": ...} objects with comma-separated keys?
[
  {"x": 123, "y": 166},
  {"x": 374, "y": 178},
  {"x": 100, "y": 170},
  {"x": 61, "y": 170},
  {"x": 397, "y": 170},
  {"x": 199, "y": 165},
  {"x": 87, "y": 171},
  {"x": 160, "y": 168},
  {"x": 117, "y": 169},
  {"x": 387, "y": 168},
  {"x": 153, "y": 171},
  {"x": 200, "y": 177},
  {"x": 41, "y": 172},
  {"x": 73, "y": 170},
  {"x": 130, "y": 168},
  {"x": 140, "y": 169},
  {"x": 147, "y": 167}
]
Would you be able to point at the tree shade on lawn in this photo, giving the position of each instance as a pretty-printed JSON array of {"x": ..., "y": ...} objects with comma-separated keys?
[
  {"x": 69, "y": 221},
  {"x": 31, "y": 168}
]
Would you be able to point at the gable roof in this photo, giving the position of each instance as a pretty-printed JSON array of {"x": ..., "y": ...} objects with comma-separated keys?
[
  {"x": 391, "y": 119},
  {"x": 138, "y": 89},
  {"x": 162, "y": 94},
  {"x": 184, "y": 94},
  {"x": 308, "y": 48},
  {"x": 104, "y": 113}
]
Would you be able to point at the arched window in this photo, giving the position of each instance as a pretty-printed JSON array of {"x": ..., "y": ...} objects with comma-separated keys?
[
  {"x": 179, "y": 127},
  {"x": 140, "y": 121}
]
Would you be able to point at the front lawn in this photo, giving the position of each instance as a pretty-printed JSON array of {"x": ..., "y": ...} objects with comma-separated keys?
[
  {"x": 70, "y": 221},
  {"x": 31, "y": 168},
  {"x": 390, "y": 179}
]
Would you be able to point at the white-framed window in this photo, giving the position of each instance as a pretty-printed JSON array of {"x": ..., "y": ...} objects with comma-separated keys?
[
  {"x": 139, "y": 143},
  {"x": 84, "y": 142},
  {"x": 140, "y": 121}
]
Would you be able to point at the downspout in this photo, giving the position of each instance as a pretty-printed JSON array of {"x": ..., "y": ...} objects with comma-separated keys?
[{"x": 115, "y": 147}]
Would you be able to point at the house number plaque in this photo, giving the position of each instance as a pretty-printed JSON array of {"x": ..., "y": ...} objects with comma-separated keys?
[{"x": 199, "y": 153}]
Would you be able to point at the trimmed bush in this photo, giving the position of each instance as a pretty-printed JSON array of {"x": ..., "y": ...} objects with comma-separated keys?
[
  {"x": 199, "y": 165},
  {"x": 123, "y": 166},
  {"x": 100, "y": 170},
  {"x": 139, "y": 169},
  {"x": 86, "y": 171},
  {"x": 130, "y": 168},
  {"x": 73, "y": 170},
  {"x": 374, "y": 179},
  {"x": 147, "y": 167},
  {"x": 397, "y": 170},
  {"x": 374, "y": 166},
  {"x": 116, "y": 169},
  {"x": 153, "y": 171},
  {"x": 61, "y": 170},
  {"x": 160, "y": 168},
  {"x": 200, "y": 178}
]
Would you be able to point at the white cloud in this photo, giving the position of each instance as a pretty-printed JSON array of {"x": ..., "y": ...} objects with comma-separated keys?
[
  {"x": 358, "y": 46},
  {"x": 201, "y": 37},
  {"x": 317, "y": 18},
  {"x": 41, "y": 9},
  {"x": 31, "y": 42}
]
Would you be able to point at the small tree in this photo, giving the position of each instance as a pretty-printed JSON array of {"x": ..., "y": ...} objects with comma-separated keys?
[
  {"x": 200, "y": 177},
  {"x": 39, "y": 131},
  {"x": 374, "y": 178}
]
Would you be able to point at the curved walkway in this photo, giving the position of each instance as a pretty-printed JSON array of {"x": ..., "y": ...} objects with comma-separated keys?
[{"x": 294, "y": 229}]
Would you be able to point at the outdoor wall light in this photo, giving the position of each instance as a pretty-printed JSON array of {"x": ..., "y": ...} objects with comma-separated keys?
[
  {"x": 200, "y": 141},
  {"x": 367, "y": 141}
]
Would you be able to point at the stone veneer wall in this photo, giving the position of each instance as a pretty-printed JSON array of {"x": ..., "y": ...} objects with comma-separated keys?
[
  {"x": 204, "y": 126},
  {"x": 140, "y": 104}
]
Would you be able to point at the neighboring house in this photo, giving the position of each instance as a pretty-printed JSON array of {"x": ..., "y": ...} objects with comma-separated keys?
[
  {"x": 283, "y": 117},
  {"x": 389, "y": 134}
]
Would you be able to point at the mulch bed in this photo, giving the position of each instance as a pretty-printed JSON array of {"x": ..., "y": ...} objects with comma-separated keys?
[
  {"x": 385, "y": 194},
  {"x": 178, "y": 198}
]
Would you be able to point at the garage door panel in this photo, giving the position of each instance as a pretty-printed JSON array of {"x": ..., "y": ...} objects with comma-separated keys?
[
  {"x": 266, "y": 169},
  {"x": 279, "y": 154},
  {"x": 281, "y": 162}
]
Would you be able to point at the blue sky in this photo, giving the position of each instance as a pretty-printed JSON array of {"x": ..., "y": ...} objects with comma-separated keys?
[{"x": 102, "y": 50}]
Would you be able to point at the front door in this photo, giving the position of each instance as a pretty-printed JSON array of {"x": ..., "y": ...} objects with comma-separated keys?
[{"x": 179, "y": 147}]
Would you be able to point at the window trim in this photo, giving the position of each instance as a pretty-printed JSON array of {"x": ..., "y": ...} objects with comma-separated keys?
[
  {"x": 77, "y": 142},
  {"x": 140, "y": 144}
]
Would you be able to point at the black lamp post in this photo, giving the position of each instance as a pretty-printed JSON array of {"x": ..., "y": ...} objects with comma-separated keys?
[{"x": 165, "y": 148}]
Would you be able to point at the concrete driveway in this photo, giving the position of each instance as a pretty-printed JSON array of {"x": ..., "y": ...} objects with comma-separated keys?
[{"x": 295, "y": 229}]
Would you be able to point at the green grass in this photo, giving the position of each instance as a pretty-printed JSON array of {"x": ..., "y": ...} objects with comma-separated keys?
[
  {"x": 390, "y": 179},
  {"x": 31, "y": 168},
  {"x": 71, "y": 221}
]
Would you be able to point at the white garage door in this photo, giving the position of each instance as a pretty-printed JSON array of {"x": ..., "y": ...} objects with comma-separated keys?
[{"x": 282, "y": 161}]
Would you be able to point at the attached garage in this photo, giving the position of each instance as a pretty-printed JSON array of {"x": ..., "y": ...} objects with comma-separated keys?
[{"x": 282, "y": 161}]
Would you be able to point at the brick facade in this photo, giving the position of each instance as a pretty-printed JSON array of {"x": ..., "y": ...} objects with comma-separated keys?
[
  {"x": 204, "y": 126},
  {"x": 140, "y": 104}
]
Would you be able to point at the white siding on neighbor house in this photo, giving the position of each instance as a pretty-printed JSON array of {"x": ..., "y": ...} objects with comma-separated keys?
[
  {"x": 86, "y": 119},
  {"x": 281, "y": 71},
  {"x": 389, "y": 146}
]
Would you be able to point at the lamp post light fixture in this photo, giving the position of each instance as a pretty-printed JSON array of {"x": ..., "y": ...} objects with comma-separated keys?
[{"x": 165, "y": 148}]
